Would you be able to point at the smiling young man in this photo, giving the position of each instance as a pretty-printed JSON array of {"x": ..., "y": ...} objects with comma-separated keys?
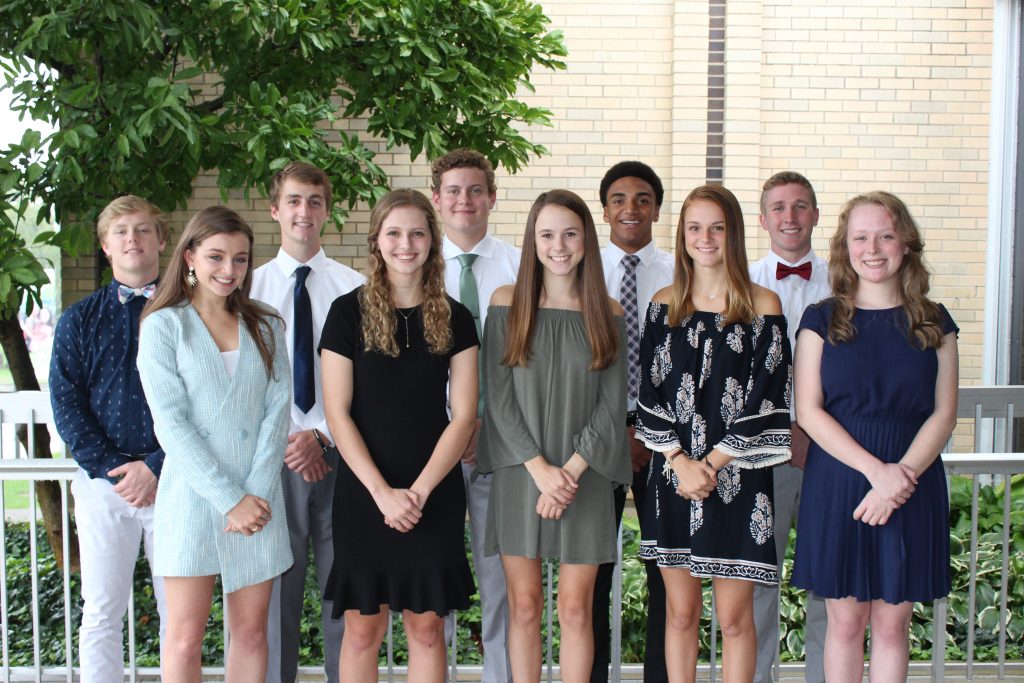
[
  {"x": 789, "y": 213},
  {"x": 301, "y": 283},
  {"x": 634, "y": 269},
  {"x": 476, "y": 264},
  {"x": 102, "y": 415}
]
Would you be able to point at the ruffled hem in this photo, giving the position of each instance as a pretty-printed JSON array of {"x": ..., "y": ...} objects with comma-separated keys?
[
  {"x": 416, "y": 590},
  {"x": 708, "y": 567}
]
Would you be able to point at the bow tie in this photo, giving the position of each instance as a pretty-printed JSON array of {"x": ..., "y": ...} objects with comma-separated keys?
[
  {"x": 783, "y": 271},
  {"x": 126, "y": 293}
]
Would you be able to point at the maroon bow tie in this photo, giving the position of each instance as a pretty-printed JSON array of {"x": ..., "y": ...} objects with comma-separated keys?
[{"x": 783, "y": 271}]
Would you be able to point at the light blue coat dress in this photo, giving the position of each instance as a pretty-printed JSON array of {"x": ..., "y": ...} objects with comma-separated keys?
[{"x": 223, "y": 438}]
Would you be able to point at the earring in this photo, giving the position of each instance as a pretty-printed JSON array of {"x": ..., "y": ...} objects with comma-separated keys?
[{"x": 190, "y": 279}]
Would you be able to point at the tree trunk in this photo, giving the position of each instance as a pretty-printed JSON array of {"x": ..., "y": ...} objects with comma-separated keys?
[{"x": 47, "y": 492}]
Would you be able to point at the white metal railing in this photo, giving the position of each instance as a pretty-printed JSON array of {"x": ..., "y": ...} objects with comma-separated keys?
[{"x": 991, "y": 408}]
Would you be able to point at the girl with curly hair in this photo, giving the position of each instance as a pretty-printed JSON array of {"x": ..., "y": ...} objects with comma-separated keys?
[
  {"x": 388, "y": 351},
  {"x": 876, "y": 388}
]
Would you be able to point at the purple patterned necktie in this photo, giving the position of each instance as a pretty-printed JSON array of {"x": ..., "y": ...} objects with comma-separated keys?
[{"x": 627, "y": 297}]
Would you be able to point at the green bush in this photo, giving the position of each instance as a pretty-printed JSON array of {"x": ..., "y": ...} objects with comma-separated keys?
[{"x": 634, "y": 602}]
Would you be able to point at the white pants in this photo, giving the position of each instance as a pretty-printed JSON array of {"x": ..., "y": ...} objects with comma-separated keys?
[{"x": 109, "y": 531}]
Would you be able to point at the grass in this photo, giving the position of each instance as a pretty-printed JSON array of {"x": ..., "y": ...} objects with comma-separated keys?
[{"x": 16, "y": 495}]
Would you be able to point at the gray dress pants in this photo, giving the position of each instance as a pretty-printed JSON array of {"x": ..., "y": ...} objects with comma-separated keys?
[{"x": 308, "y": 507}]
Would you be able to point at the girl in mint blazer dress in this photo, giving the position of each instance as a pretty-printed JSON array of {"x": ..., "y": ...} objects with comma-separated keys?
[{"x": 215, "y": 371}]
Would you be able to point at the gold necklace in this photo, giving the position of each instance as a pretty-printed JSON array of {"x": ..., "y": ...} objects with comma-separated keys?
[{"x": 406, "y": 319}]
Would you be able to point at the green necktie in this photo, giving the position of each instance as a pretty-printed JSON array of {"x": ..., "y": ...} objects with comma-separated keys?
[
  {"x": 470, "y": 298},
  {"x": 468, "y": 294}
]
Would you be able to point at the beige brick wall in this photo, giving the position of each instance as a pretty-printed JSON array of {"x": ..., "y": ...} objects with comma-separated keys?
[{"x": 856, "y": 94}]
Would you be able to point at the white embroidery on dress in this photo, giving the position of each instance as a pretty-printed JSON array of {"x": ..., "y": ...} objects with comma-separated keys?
[
  {"x": 653, "y": 311},
  {"x": 662, "y": 364},
  {"x": 693, "y": 333},
  {"x": 735, "y": 339},
  {"x": 732, "y": 401},
  {"x": 789, "y": 387},
  {"x": 774, "y": 351},
  {"x": 762, "y": 520},
  {"x": 728, "y": 483},
  {"x": 767, "y": 407},
  {"x": 696, "y": 516},
  {"x": 719, "y": 321},
  {"x": 755, "y": 327},
  {"x": 685, "y": 398},
  {"x": 698, "y": 435},
  {"x": 705, "y": 367}
]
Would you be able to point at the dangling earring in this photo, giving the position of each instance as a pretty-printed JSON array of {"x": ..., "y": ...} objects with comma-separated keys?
[{"x": 190, "y": 279}]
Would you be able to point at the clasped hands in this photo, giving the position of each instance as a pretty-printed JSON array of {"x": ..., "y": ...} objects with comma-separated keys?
[
  {"x": 697, "y": 479},
  {"x": 891, "y": 486},
  {"x": 249, "y": 516},
  {"x": 402, "y": 508},
  {"x": 557, "y": 489}
]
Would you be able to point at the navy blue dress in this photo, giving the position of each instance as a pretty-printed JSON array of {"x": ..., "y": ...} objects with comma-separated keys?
[{"x": 881, "y": 389}]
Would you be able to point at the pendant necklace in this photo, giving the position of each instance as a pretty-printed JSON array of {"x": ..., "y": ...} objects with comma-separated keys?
[
  {"x": 406, "y": 319},
  {"x": 712, "y": 296}
]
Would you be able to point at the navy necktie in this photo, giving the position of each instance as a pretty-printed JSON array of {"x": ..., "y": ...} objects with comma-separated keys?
[{"x": 302, "y": 343}]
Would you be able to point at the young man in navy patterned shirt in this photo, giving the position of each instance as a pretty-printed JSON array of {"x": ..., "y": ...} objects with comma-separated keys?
[{"x": 101, "y": 414}]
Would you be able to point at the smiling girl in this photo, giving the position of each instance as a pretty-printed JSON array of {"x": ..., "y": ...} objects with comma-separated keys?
[
  {"x": 215, "y": 371},
  {"x": 714, "y": 407},
  {"x": 387, "y": 352},
  {"x": 554, "y": 429}
]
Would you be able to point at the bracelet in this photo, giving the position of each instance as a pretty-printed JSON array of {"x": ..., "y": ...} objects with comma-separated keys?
[
  {"x": 672, "y": 456},
  {"x": 319, "y": 440}
]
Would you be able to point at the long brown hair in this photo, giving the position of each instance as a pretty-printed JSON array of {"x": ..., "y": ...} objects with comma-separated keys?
[
  {"x": 174, "y": 291},
  {"x": 379, "y": 313},
  {"x": 594, "y": 302},
  {"x": 739, "y": 305},
  {"x": 923, "y": 315}
]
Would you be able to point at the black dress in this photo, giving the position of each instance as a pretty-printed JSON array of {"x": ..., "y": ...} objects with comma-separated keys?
[
  {"x": 399, "y": 406},
  {"x": 709, "y": 385}
]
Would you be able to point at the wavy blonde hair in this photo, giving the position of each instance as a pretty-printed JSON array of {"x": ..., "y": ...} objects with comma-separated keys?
[
  {"x": 739, "y": 303},
  {"x": 923, "y": 315},
  {"x": 380, "y": 317}
]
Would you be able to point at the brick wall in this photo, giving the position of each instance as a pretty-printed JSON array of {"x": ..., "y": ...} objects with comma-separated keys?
[{"x": 856, "y": 94}]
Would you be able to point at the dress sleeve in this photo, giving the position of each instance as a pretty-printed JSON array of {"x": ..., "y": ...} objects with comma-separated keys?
[
  {"x": 816, "y": 318},
  {"x": 602, "y": 442},
  {"x": 505, "y": 440},
  {"x": 757, "y": 421},
  {"x": 463, "y": 328},
  {"x": 343, "y": 327},
  {"x": 272, "y": 440},
  {"x": 169, "y": 401},
  {"x": 946, "y": 321},
  {"x": 655, "y": 425}
]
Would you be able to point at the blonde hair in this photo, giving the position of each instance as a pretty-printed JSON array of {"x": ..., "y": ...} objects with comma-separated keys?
[
  {"x": 125, "y": 206},
  {"x": 923, "y": 315},
  {"x": 739, "y": 304},
  {"x": 378, "y": 312}
]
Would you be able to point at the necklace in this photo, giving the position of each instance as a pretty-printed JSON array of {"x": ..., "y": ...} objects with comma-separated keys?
[
  {"x": 713, "y": 296},
  {"x": 406, "y": 319}
]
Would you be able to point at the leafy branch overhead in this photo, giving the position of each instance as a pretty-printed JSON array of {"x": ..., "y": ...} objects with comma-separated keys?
[{"x": 145, "y": 96}]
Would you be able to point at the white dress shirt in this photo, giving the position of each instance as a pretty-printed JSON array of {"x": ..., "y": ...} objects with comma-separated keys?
[
  {"x": 274, "y": 284},
  {"x": 795, "y": 292},
  {"x": 653, "y": 272},
  {"x": 497, "y": 265}
]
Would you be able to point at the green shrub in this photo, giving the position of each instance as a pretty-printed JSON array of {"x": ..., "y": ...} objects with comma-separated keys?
[{"x": 634, "y": 602}]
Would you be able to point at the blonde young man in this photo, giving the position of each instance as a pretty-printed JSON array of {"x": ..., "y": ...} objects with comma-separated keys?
[
  {"x": 476, "y": 264},
  {"x": 301, "y": 283},
  {"x": 789, "y": 213},
  {"x": 101, "y": 414}
]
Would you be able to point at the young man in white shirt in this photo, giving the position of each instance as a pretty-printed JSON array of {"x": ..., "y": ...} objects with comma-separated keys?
[
  {"x": 634, "y": 270},
  {"x": 301, "y": 283},
  {"x": 789, "y": 212},
  {"x": 476, "y": 264}
]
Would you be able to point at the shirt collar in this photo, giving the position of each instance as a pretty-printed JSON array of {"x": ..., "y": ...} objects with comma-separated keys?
[
  {"x": 646, "y": 253},
  {"x": 287, "y": 263},
  {"x": 484, "y": 247}
]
